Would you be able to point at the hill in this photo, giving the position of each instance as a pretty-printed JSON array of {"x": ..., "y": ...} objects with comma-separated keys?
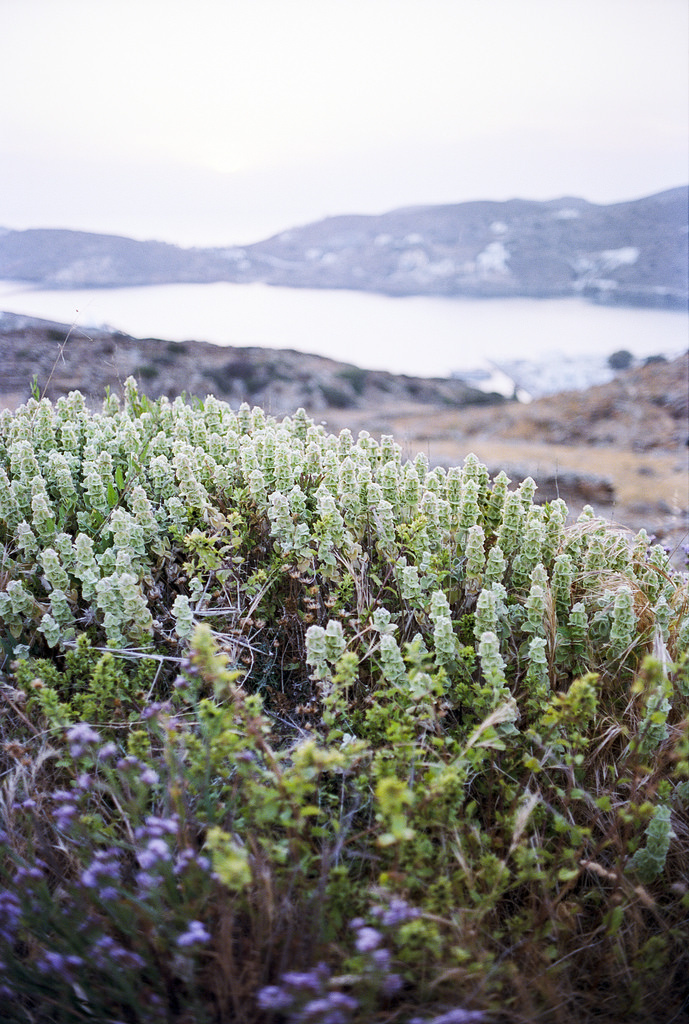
[
  {"x": 632, "y": 253},
  {"x": 65, "y": 359}
]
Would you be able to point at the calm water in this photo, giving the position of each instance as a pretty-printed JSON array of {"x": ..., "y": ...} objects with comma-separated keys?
[{"x": 419, "y": 336}]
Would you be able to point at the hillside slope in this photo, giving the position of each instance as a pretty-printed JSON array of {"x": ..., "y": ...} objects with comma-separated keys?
[
  {"x": 632, "y": 253},
  {"x": 65, "y": 359}
]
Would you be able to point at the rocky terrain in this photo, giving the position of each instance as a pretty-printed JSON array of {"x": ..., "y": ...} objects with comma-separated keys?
[
  {"x": 620, "y": 446},
  {"x": 67, "y": 358},
  {"x": 632, "y": 253}
]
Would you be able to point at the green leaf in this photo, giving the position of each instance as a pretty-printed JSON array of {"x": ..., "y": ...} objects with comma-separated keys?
[{"x": 614, "y": 919}]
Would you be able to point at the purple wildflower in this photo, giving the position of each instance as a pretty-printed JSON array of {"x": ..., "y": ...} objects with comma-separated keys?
[
  {"x": 381, "y": 959},
  {"x": 333, "y": 1008},
  {"x": 10, "y": 916},
  {"x": 391, "y": 984},
  {"x": 80, "y": 737},
  {"x": 84, "y": 782},
  {"x": 58, "y": 963},
  {"x": 156, "y": 827},
  {"x": 272, "y": 997},
  {"x": 368, "y": 939},
  {"x": 63, "y": 794},
  {"x": 149, "y": 777},
  {"x": 104, "y": 868},
  {"x": 129, "y": 763},
  {"x": 339, "y": 999},
  {"x": 306, "y": 981},
  {"x": 321, "y": 1006},
  {"x": 183, "y": 860},
  {"x": 156, "y": 850},
  {"x": 22, "y": 875},
  {"x": 64, "y": 814},
  {"x": 196, "y": 932},
  {"x": 457, "y": 1016},
  {"x": 106, "y": 951},
  {"x": 188, "y": 857},
  {"x": 396, "y": 913},
  {"x": 315, "y": 1008},
  {"x": 107, "y": 751},
  {"x": 160, "y": 707},
  {"x": 146, "y": 881}
]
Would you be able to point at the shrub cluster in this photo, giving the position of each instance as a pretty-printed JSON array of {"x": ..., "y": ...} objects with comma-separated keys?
[{"x": 297, "y": 730}]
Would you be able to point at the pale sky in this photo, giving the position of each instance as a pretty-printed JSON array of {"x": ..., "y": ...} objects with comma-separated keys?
[{"x": 223, "y": 121}]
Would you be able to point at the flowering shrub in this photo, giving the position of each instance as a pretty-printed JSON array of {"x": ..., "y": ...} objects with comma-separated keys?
[{"x": 296, "y": 730}]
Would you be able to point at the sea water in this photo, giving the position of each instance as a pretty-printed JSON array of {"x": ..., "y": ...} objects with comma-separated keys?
[{"x": 420, "y": 336}]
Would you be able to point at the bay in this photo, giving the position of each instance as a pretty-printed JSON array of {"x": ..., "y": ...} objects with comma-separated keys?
[{"x": 420, "y": 336}]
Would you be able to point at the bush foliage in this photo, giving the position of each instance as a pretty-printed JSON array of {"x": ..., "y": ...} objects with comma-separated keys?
[{"x": 295, "y": 729}]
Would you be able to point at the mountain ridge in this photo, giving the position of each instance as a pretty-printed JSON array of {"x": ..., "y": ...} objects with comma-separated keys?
[{"x": 629, "y": 253}]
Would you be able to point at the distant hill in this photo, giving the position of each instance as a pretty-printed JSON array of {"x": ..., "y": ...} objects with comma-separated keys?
[{"x": 632, "y": 253}]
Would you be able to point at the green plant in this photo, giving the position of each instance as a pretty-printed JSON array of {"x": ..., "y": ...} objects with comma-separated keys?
[{"x": 261, "y": 680}]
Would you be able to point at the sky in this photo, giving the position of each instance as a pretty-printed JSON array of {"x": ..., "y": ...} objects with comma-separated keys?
[{"x": 213, "y": 122}]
